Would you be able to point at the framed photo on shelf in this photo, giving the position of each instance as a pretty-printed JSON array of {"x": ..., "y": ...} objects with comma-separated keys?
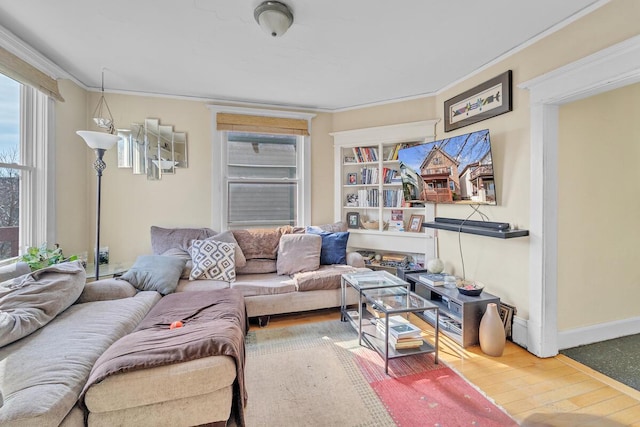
[
  {"x": 352, "y": 178},
  {"x": 353, "y": 220},
  {"x": 349, "y": 159},
  {"x": 352, "y": 200},
  {"x": 415, "y": 223},
  {"x": 482, "y": 102}
]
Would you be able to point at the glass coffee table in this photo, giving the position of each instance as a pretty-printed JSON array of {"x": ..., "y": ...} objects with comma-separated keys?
[{"x": 388, "y": 297}]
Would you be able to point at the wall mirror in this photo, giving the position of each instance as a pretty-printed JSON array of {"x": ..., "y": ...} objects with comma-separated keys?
[{"x": 152, "y": 149}]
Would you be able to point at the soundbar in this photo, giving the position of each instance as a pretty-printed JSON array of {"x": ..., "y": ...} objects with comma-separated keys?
[
  {"x": 485, "y": 224},
  {"x": 501, "y": 230}
]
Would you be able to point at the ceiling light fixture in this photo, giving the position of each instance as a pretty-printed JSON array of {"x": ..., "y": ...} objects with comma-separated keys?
[
  {"x": 99, "y": 117},
  {"x": 274, "y": 17}
]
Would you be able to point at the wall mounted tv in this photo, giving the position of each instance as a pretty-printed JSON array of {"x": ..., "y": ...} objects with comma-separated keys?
[{"x": 453, "y": 170}]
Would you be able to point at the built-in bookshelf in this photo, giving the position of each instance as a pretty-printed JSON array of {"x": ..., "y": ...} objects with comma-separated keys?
[{"x": 368, "y": 189}]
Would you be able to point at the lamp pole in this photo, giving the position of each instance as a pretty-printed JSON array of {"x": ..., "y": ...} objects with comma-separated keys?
[{"x": 99, "y": 165}]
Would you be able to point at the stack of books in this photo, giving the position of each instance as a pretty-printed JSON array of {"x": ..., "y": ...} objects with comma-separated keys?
[
  {"x": 402, "y": 333},
  {"x": 433, "y": 279}
]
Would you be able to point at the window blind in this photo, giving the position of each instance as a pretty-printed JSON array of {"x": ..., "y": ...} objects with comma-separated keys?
[
  {"x": 261, "y": 124},
  {"x": 23, "y": 72}
]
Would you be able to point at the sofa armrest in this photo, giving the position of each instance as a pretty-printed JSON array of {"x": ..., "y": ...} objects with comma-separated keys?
[
  {"x": 354, "y": 259},
  {"x": 106, "y": 289},
  {"x": 10, "y": 271}
]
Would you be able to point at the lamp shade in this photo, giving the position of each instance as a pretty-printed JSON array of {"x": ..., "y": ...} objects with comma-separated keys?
[
  {"x": 274, "y": 17},
  {"x": 98, "y": 140}
]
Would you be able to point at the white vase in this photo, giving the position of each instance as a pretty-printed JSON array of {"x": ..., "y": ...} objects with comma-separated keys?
[{"x": 492, "y": 335}]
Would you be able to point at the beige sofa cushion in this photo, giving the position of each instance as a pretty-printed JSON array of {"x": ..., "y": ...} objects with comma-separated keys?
[
  {"x": 298, "y": 252},
  {"x": 161, "y": 384},
  {"x": 201, "y": 285},
  {"x": 326, "y": 277},
  {"x": 264, "y": 284},
  {"x": 203, "y": 409}
]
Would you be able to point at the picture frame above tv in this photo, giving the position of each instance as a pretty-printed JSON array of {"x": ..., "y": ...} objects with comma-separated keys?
[
  {"x": 488, "y": 99},
  {"x": 457, "y": 170}
]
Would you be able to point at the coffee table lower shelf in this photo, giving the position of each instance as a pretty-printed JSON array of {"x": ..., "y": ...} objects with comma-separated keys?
[{"x": 376, "y": 340}]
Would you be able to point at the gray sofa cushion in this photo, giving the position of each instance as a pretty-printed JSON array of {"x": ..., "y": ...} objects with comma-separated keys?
[
  {"x": 258, "y": 266},
  {"x": 163, "y": 239},
  {"x": 29, "y": 302},
  {"x": 106, "y": 289},
  {"x": 44, "y": 373},
  {"x": 13, "y": 270},
  {"x": 298, "y": 252}
]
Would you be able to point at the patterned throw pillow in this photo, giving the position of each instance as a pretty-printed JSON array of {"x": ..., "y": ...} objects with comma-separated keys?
[{"x": 213, "y": 260}]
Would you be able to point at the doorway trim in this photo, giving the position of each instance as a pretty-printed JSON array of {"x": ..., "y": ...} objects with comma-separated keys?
[{"x": 608, "y": 69}]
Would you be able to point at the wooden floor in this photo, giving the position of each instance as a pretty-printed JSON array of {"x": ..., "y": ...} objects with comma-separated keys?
[{"x": 556, "y": 391}]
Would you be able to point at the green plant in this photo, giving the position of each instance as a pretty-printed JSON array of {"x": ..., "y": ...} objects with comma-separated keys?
[{"x": 41, "y": 257}]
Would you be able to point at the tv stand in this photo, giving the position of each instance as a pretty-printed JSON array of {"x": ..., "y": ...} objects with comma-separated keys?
[
  {"x": 500, "y": 230},
  {"x": 460, "y": 315}
]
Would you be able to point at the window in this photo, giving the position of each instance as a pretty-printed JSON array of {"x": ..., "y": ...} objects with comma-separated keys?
[
  {"x": 261, "y": 168},
  {"x": 263, "y": 183},
  {"x": 10, "y": 159},
  {"x": 25, "y": 198}
]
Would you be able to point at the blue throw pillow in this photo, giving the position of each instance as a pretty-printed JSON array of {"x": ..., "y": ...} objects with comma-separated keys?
[{"x": 334, "y": 246}]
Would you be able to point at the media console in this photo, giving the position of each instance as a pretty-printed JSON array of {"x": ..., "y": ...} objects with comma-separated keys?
[
  {"x": 460, "y": 315},
  {"x": 500, "y": 230}
]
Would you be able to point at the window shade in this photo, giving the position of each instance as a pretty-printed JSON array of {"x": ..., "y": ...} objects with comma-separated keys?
[
  {"x": 261, "y": 124},
  {"x": 21, "y": 71}
]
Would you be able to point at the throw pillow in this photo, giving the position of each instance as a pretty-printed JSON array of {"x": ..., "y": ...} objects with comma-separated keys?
[
  {"x": 155, "y": 273},
  {"x": 182, "y": 254},
  {"x": 30, "y": 301},
  {"x": 213, "y": 260},
  {"x": 227, "y": 237},
  {"x": 163, "y": 239},
  {"x": 298, "y": 253},
  {"x": 334, "y": 246}
]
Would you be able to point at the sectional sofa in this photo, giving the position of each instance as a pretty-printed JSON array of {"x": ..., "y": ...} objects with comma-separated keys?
[
  {"x": 47, "y": 370},
  {"x": 278, "y": 270}
]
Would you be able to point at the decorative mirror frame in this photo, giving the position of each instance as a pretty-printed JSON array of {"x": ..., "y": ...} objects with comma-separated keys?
[{"x": 152, "y": 149}]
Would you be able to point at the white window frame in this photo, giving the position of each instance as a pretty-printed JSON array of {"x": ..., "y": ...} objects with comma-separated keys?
[
  {"x": 37, "y": 167},
  {"x": 219, "y": 207}
]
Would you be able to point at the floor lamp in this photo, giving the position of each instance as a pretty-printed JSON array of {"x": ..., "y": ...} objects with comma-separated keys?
[{"x": 99, "y": 142}]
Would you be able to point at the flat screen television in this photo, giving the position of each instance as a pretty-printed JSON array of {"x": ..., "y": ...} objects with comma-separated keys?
[{"x": 452, "y": 170}]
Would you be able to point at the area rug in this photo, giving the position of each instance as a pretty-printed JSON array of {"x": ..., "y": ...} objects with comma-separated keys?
[
  {"x": 317, "y": 375},
  {"x": 617, "y": 358}
]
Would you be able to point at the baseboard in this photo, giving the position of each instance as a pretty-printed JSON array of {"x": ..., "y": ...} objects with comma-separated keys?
[
  {"x": 519, "y": 332},
  {"x": 599, "y": 332}
]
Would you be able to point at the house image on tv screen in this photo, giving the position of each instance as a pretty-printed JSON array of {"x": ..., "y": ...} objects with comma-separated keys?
[{"x": 452, "y": 170}]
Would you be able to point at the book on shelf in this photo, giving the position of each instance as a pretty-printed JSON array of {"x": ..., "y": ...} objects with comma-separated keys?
[
  {"x": 404, "y": 343},
  {"x": 432, "y": 279},
  {"x": 399, "y": 328},
  {"x": 405, "y": 330}
]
